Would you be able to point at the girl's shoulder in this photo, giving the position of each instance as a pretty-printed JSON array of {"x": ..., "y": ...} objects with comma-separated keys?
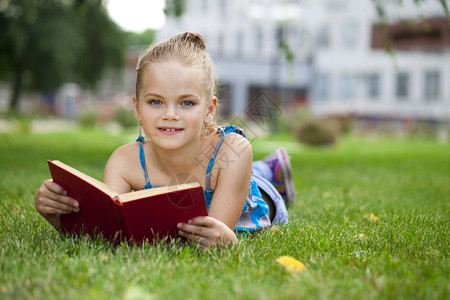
[
  {"x": 120, "y": 170},
  {"x": 235, "y": 144},
  {"x": 126, "y": 150},
  {"x": 234, "y": 136},
  {"x": 125, "y": 155}
]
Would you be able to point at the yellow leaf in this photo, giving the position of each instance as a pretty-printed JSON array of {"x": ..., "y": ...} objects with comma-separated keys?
[
  {"x": 291, "y": 264},
  {"x": 362, "y": 236},
  {"x": 374, "y": 218}
]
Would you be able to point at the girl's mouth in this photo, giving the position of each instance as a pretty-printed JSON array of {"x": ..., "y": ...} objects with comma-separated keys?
[{"x": 170, "y": 130}]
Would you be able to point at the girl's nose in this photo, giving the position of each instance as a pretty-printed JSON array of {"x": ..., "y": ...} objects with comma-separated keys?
[{"x": 171, "y": 113}]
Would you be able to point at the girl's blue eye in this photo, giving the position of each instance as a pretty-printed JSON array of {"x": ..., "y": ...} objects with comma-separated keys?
[
  {"x": 154, "y": 102},
  {"x": 187, "y": 103}
]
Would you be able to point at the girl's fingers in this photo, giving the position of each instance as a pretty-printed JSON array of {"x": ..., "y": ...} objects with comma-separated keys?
[
  {"x": 194, "y": 230},
  {"x": 203, "y": 221},
  {"x": 53, "y": 192},
  {"x": 65, "y": 206},
  {"x": 201, "y": 240},
  {"x": 54, "y": 187}
]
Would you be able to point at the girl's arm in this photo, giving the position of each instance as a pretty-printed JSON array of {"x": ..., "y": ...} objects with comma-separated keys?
[{"x": 233, "y": 182}]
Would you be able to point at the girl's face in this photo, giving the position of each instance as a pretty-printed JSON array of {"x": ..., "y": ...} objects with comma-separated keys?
[{"x": 172, "y": 105}]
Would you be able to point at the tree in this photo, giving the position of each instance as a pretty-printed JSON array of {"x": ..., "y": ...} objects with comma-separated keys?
[
  {"x": 137, "y": 41},
  {"x": 381, "y": 11},
  {"x": 175, "y": 8},
  {"x": 45, "y": 43}
]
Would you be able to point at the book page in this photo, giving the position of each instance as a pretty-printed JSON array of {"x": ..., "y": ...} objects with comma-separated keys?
[{"x": 156, "y": 191}]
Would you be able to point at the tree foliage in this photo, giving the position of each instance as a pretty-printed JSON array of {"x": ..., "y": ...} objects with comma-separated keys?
[
  {"x": 382, "y": 13},
  {"x": 45, "y": 43},
  {"x": 135, "y": 40},
  {"x": 175, "y": 8}
]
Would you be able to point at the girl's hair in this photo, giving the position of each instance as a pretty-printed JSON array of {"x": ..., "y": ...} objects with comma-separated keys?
[{"x": 188, "y": 49}]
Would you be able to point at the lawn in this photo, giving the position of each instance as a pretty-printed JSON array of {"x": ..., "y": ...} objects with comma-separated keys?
[{"x": 371, "y": 221}]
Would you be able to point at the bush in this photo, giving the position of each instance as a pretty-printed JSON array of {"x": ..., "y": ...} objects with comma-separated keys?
[
  {"x": 317, "y": 132},
  {"x": 125, "y": 118},
  {"x": 87, "y": 118}
]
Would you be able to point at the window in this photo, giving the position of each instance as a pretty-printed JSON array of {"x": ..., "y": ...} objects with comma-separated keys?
[
  {"x": 432, "y": 85},
  {"x": 259, "y": 39},
  {"x": 239, "y": 43},
  {"x": 373, "y": 86},
  {"x": 347, "y": 86},
  {"x": 350, "y": 33},
  {"x": 323, "y": 38},
  {"x": 402, "y": 86},
  {"x": 323, "y": 87}
]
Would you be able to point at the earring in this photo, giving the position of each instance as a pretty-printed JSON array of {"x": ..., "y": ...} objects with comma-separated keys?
[
  {"x": 205, "y": 130},
  {"x": 141, "y": 137}
]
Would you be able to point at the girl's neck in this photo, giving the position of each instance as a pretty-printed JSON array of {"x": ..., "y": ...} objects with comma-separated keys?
[{"x": 176, "y": 161}]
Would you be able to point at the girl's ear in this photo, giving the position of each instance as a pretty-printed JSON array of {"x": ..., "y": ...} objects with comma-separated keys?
[
  {"x": 136, "y": 108},
  {"x": 211, "y": 110}
]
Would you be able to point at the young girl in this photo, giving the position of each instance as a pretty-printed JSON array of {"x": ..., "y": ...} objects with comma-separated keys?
[{"x": 176, "y": 108}]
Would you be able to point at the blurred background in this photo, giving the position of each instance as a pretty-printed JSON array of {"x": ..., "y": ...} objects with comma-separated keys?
[{"x": 313, "y": 67}]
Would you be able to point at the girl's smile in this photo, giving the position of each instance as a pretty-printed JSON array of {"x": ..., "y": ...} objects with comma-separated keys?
[{"x": 170, "y": 130}]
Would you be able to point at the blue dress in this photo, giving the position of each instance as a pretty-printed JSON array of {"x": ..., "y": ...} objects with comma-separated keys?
[{"x": 255, "y": 214}]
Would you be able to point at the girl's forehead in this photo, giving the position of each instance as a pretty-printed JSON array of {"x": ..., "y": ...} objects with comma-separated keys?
[
  {"x": 172, "y": 76},
  {"x": 170, "y": 67}
]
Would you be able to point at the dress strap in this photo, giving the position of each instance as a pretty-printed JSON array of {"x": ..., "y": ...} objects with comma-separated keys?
[
  {"x": 225, "y": 130},
  {"x": 211, "y": 162},
  {"x": 142, "y": 159}
]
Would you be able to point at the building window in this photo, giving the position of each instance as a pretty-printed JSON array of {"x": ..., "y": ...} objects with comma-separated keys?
[
  {"x": 259, "y": 39},
  {"x": 350, "y": 33},
  {"x": 373, "y": 86},
  {"x": 323, "y": 38},
  {"x": 432, "y": 85},
  {"x": 301, "y": 38},
  {"x": 323, "y": 87},
  {"x": 347, "y": 86},
  {"x": 239, "y": 43},
  {"x": 402, "y": 86}
]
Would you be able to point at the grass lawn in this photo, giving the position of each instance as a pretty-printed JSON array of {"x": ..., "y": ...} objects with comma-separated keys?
[{"x": 371, "y": 221}]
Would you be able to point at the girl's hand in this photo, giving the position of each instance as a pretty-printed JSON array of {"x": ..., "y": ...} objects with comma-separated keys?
[
  {"x": 51, "y": 200},
  {"x": 207, "y": 232}
]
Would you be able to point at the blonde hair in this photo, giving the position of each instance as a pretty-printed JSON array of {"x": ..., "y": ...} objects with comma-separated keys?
[{"x": 188, "y": 49}]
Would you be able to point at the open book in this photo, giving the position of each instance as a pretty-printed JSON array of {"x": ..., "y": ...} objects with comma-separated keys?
[{"x": 146, "y": 214}]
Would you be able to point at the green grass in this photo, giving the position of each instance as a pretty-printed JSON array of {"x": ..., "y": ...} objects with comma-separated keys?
[{"x": 404, "y": 255}]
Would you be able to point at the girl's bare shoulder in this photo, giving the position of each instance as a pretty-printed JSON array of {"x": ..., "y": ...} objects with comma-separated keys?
[
  {"x": 125, "y": 154},
  {"x": 236, "y": 143},
  {"x": 235, "y": 149},
  {"x": 120, "y": 171}
]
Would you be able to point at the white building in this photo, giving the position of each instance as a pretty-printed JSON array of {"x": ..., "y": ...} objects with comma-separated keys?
[{"x": 337, "y": 68}]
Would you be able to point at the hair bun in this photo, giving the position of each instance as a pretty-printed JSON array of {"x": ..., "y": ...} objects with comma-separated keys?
[{"x": 192, "y": 38}]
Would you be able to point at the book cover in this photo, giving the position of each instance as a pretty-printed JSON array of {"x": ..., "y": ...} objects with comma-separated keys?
[{"x": 146, "y": 214}]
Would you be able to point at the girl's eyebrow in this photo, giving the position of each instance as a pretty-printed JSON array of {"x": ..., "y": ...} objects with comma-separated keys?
[
  {"x": 153, "y": 94},
  {"x": 188, "y": 96},
  {"x": 180, "y": 97}
]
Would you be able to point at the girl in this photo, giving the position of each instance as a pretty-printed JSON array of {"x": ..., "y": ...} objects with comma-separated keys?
[{"x": 176, "y": 108}]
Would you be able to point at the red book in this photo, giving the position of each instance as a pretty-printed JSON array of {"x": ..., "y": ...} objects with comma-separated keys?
[{"x": 140, "y": 215}]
